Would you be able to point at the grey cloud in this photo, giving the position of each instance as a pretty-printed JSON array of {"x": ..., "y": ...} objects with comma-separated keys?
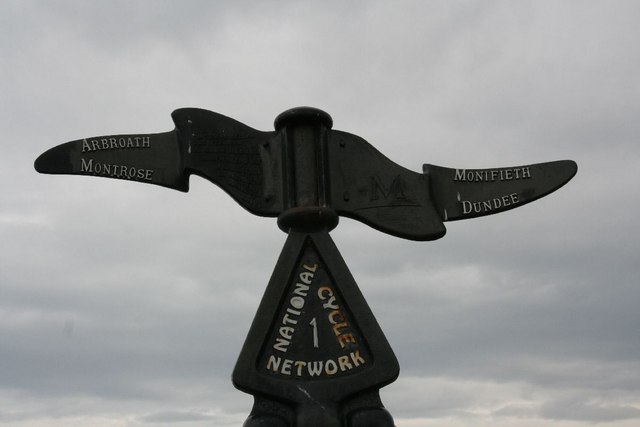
[
  {"x": 588, "y": 411},
  {"x": 175, "y": 416}
]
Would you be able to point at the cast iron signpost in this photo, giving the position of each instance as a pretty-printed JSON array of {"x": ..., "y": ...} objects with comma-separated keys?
[{"x": 315, "y": 355}]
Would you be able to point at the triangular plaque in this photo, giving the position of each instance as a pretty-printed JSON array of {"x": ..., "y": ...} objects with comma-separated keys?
[{"x": 313, "y": 328}]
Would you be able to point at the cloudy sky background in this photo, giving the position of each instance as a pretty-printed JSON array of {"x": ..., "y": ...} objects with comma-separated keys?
[{"x": 127, "y": 305}]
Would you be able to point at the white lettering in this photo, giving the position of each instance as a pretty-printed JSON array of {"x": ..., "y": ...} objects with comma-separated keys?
[
  {"x": 306, "y": 277},
  {"x": 488, "y": 206},
  {"x": 315, "y": 368},
  {"x": 286, "y": 366},
  {"x": 286, "y": 332},
  {"x": 115, "y": 171},
  {"x": 297, "y": 302},
  {"x": 330, "y": 367},
  {"x": 281, "y": 345},
  {"x": 491, "y": 175},
  {"x": 312, "y": 268},
  {"x": 287, "y": 320},
  {"x": 300, "y": 364},
  {"x": 344, "y": 363},
  {"x": 301, "y": 289},
  {"x": 273, "y": 363},
  {"x": 356, "y": 358},
  {"x": 119, "y": 143},
  {"x": 294, "y": 312},
  {"x": 86, "y": 166}
]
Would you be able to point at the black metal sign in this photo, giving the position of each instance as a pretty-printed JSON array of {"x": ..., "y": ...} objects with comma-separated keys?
[
  {"x": 314, "y": 343},
  {"x": 315, "y": 355},
  {"x": 262, "y": 170}
]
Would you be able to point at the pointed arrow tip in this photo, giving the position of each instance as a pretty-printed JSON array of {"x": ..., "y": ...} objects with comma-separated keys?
[
  {"x": 54, "y": 161},
  {"x": 41, "y": 163},
  {"x": 569, "y": 169}
]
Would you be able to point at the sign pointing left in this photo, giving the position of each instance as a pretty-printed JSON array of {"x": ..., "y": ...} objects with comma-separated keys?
[
  {"x": 149, "y": 158},
  {"x": 215, "y": 147}
]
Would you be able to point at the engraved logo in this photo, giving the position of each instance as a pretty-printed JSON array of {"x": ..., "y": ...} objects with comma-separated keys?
[{"x": 314, "y": 336}]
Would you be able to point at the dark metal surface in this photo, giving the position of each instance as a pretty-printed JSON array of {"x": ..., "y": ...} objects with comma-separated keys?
[
  {"x": 222, "y": 150},
  {"x": 305, "y": 163},
  {"x": 314, "y": 345},
  {"x": 369, "y": 187},
  {"x": 154, "y": 158},
  {"x": 469, "y": 193}
]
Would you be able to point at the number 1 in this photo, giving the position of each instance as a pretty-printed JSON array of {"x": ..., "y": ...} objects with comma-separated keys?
[{"x": 315, "y": 332}]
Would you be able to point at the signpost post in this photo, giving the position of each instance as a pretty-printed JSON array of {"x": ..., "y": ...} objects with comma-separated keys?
[{"x": 315, "y": 355}]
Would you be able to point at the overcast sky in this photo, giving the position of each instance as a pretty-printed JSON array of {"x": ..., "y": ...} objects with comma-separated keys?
[{"x": 123, "y": 304}]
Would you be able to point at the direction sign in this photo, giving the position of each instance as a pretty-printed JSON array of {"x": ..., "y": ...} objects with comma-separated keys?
[
  {"x": 263, "y": 171},
  {"x": 469, "y": 193}
]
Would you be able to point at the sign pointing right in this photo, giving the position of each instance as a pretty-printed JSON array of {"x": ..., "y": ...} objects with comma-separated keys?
[{"x": 468, "y": 193}]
